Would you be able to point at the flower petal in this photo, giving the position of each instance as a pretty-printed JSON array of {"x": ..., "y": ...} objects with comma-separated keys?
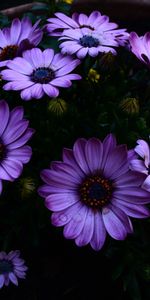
[{"x": 99, "y": 233}]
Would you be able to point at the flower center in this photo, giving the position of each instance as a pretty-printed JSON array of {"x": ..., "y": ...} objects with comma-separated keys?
[
  {"x": 2, "y": 151},
  {"x": 42, "y": 75},
  {"x": 96, "y": 191},
  {"x": 89, "y": 41},
  {"x": 9, "y": 52},
  {"x": 5, "y": 266}
]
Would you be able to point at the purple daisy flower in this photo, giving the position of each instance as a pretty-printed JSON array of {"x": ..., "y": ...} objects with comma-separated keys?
[
  {"x": 85, "y": 41},
  {"x": 38, "y": 73},
  {"x": 14, "y": 133},
  {"x": 95, "y": 22},
  {"x": 140, "y": 46},
  {"x": 11, "y": 268},
  {"x": 19, "y": 37},
  {"x": 141, "y": 163},
  {"x": 93, "y": 192}
]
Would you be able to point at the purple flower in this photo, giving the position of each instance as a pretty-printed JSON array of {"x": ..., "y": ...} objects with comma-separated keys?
[
  {"x": 93, "y": 191},
  {"x": 142, "y": 151},
  {"x": 19, "y": 37},
  {"x": 40, "y": 72},
  {"x": 85, "y": 41},
  {"x": 140, "y": 46},
  {"x": 14, "y": 133},
  {"x": 95, "y": 22},
  {"x": 11, "y": 268}
]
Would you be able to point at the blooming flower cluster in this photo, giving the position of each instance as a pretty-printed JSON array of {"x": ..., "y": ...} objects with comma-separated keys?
[{"x": 98, "y": 186}]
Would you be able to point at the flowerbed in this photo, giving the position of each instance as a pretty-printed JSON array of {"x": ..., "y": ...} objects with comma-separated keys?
[{"x": 74, "y": 157}]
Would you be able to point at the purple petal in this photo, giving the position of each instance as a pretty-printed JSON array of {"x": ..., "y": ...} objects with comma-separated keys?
[
  {"x": 133, "y": 195},
  {"x": 68, "y": 158},
  {"x": 113, "y": 224},
  {"x": 4, "y": 116},
  {"x": 93, "y": 16},
  {"x": 23, "y": 154},
  {"x": 68, "y": 68},
  {"x": 83, "y": 19},
  {"x": 115, "y": 161},
  {"x": 12, "y": 167},
  {"x": 13, "y": 278},
  {"x": 68, "y": 169},
  {"x": 82, "y": 53},
  {"x": 60, "y": 178},
  {"x": 57, "y": 202},
  {"x": 2, "y": 280},
  {"x": 99, "y": 234},
  {"x": 50, "y": 90},
  {"x": 4, "y": 175},
  {"x": 19, "y": 85},
  {"x": 48, "y": 56},
  {"x": 15, "y": 31},
  {"x": 69, "y": 21},
  {"x": 86, "y": 234},
  {"x": 74, "y": 227},
  {"x": 11, "y": 134},
  {"x": 61, "y": 82},
  {"x": 79, "y": 154},
  {"x": 12, "y": 75},
  {"x": 3, "y": 40},
  {"x": 37, "y": 57},
  {"x": 94, "y": 154},
  {"x": 37, "y": 91},
  {"x": 53, "y": 188},
  {"x": 143, "y": 150},
  {"x": 22, "y": 140},
  {"x": 132, "y": 210},
  {"x": 63, "y": 217},
  {"x": 93, "y": 51},
  {"x": 109, "y": 144},
  {"x": 16, "y": 115},
  {"x": 146, "y": 184},
  {"x": 130, "y": 179},
  {"x": 27, "y": 94},
  {"x": 20, "y": 65}
]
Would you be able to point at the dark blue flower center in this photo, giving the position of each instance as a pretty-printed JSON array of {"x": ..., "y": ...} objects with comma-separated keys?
[
  {"x": 42, "y": 75},
  {"x": 5, "y": 266},
  {"x": 89, "y": 41},
  {"x": 9, "y": 52},
  {"x": 96, "y": 191},
  {"x": 2, "y": 151}
]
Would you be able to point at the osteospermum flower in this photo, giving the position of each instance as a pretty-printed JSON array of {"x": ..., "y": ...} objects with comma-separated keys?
[
  {"x": 140, "y": 46},
  {"x": 11, "y": 268},
  {"x": 14, "y": 133},
  {"x": 19, "y": 37},
  {"x": 95, "y": 22},
  {"x": 38, "y": 73},
  {"x": 85, "y": 41},
  {"x": 141, "y": 163},
  {"x": 93, "y": 192}
]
